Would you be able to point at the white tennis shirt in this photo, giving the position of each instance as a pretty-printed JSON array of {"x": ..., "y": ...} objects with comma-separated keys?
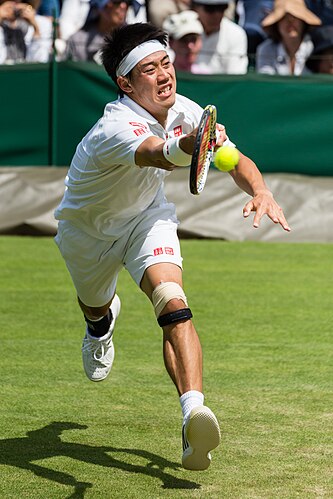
[{"x": 105, "y": 189}]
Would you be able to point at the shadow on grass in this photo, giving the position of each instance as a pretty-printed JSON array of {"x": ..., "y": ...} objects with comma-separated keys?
[{"x": 46, "y": 443}]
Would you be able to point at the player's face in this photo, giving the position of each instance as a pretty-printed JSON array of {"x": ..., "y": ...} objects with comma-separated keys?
[{"x": 153, "y": 84}]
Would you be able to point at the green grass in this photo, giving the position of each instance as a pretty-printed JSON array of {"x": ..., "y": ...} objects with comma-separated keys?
[{"x": 264, "y": 316}]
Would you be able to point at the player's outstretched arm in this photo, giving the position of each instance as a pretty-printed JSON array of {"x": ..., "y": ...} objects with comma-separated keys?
[
  {"x": 152, "y": 151},
  {"x": 249, "y": 179}
]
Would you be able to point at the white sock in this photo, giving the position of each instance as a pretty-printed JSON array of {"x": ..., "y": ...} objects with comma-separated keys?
[{"x": 190, "y": 400}]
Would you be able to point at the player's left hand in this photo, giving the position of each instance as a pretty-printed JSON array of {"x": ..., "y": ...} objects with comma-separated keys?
[{"x": 263, "y": 203}]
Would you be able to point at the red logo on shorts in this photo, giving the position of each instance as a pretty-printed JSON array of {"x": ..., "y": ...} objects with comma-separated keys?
[{"x": 177, "y": 131}]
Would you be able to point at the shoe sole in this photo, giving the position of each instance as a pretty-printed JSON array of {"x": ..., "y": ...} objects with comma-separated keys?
[{"x": 203, "y": 434}]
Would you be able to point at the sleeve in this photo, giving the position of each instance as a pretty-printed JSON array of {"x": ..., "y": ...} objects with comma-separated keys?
[
  {"x": 265, "y": 59},
  {"x": 3, "y": 49},
  {"x": 238, "y": 59},
  {"x": 121, "y": 140},
  {"x": 39, "y": 49}
]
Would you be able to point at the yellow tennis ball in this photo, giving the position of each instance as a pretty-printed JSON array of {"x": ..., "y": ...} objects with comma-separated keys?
[{"x": 226, "y": 158}]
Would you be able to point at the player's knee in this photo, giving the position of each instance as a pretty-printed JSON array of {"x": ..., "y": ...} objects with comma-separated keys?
[{"x": 170, "y": 293}]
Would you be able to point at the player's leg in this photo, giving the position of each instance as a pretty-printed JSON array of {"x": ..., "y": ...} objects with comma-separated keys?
[
  {"x": 97, "y": 344},
  {"x": 162, "y": 283},
  {"x": 94, "y": 269},
  {"x": 154, "y": 260},
  {"x": 181, "y": 345}
]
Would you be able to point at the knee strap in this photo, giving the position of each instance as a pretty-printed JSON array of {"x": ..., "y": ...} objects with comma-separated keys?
[
  {"x": 184, "y": 314},
  {"x": 165, "y": 292}
]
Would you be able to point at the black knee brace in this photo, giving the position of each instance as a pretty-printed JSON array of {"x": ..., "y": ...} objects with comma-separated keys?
[{"x": 184, "y": 314}]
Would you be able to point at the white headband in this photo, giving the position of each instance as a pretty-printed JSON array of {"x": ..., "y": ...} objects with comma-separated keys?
[{"x": 137, "y": 54}]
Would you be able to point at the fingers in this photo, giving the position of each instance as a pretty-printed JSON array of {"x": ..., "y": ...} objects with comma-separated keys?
[
  {"x": 221, "y": 135},
  {"x": 248, "y": 208},
  {"x": 272, "y": 210}
]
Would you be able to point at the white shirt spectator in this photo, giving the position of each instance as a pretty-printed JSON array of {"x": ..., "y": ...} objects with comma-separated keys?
[
  {"x": 224, "y": 51},
  {"x": 137, "y": 12},
  {"x": 272, "y": 58},
  {"x": 72, "y": 17},
  {"x": 37, "y": 49}
]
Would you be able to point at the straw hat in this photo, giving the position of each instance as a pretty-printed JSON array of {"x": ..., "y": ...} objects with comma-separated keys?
[{"x": 296, "y": 8}]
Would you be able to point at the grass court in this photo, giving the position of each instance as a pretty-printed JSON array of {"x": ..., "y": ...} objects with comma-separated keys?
[{"x": 264, "y": 315}]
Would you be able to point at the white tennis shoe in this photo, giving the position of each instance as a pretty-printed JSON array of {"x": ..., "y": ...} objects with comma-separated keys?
[
  {"x": 201, "y": 434},
  {"x": 98, "y": 353}
]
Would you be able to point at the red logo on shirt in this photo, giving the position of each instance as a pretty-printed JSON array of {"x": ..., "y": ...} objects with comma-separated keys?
[
  {"x": 139, "y": 131},
  {"x": 177, "y": 131},
  {"x": 140, "y": 128},
  {"x": 158, "y": 251},
  {"x": 169, "y": 251}
]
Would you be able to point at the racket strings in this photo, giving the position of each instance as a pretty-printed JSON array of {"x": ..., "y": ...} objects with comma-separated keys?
[
  {"x": 203, "y": 150},
  {"x": 206, "y": 147}
]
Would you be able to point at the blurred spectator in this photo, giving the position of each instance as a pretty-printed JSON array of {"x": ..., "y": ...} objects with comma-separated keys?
[
  {"x": 321, "y": 59},
  {"x": 137, "y": 12},
  {"x": 73, "y": 16},
  {"x": 159, "y": 10},
  {"x": 185, "y": 39},
  {"x": 224, "y": 43},
  {"x": 50, "y": 8},
  {"x": 24, "y": 35},
  {"x": 104, "y": 16},
  {"x": 323, "y": 9},
  {"x": 250, "y": 14},
  {"x": 289, "y": 44}
]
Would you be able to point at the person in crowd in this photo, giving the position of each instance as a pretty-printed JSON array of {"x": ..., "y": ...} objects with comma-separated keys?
[
  {"x": 250, "y": 14},
  {"x": 323, "y": 9},
  {"x": 224, "y": 43},
  {"x": 185, "y": 39},
  {"x": 24, "y": 35},
  {"x": 289, "y": 44},
  {"x": 50, "y": 8},
  {"x": 137, "y": 12},
  {"x": 160, "y": 10},
  {"x": 73, "y": 16},
  {"x": 321, "y": 59},
  {"x": 104, "y": 16}
]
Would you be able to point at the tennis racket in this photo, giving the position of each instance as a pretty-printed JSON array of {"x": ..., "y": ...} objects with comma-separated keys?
[{"x": 203, "y": 150}]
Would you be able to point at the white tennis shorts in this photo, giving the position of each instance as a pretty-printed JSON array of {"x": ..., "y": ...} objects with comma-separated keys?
[{"x": 94, "y": 264}]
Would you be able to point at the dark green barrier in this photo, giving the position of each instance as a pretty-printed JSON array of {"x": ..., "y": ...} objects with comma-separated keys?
[{"x": 285, "y": 124}]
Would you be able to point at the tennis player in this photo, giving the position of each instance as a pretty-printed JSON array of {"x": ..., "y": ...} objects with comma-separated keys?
[{"x": 114, "y": 214}]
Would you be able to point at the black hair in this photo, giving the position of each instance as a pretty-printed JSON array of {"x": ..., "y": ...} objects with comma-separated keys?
[{"x": 124, "y": 39}]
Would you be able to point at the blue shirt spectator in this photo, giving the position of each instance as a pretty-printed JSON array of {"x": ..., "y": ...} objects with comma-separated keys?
[
  {"x": 50, "y": 8},
  {"x": 323, "y": 9},
  {"x": 250, "y": 14}
]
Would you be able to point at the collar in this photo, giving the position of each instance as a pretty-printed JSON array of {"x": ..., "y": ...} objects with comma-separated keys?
[{"x": 176, "y": 111}]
